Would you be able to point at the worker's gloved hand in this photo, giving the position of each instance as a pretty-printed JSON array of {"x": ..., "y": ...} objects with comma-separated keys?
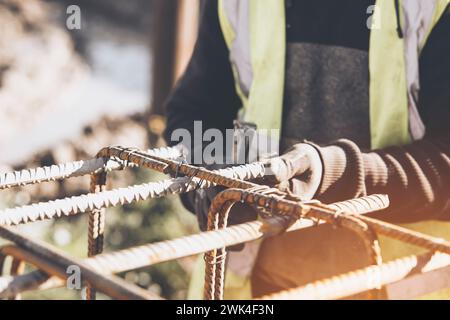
[{"x": 299, "y": 169}]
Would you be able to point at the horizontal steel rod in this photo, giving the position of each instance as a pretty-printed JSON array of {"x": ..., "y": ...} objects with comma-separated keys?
[
  {"x": 365, "y": 279},
  {"x": 162, "y": 164},
  {"x": 73, "y": 169},
  {"x": 421, "y": 284}
]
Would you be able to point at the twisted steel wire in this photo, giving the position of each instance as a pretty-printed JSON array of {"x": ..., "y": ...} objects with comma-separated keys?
[
  {"x": 262, "y": 197},
  {"x": 364, "y": 279},
  {"x": 77, "y": 204},
  {"x": 73, "y": 169},
  {"x": 146, "y": 255},
  {"x": 54, "y": 262}
]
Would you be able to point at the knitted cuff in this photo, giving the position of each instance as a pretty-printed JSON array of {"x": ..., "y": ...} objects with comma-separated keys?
[{"x": 343, "y": 172}]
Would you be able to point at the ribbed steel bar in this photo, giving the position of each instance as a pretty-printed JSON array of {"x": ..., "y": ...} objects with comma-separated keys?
[
  {"x": 318, "y": 211},
  {"x": 54, "y": 262},
  {"x": 96, "y": 225},
  {"x": 365, "y": 279},
  {"x": 73, "y": 169},
  {"x": 105, "y": 199},
  {"x": 408, "y": 236},
  {"x": 403, "y": 234},
  {"x": 272, "y": 200},
  {"x": 150, "y": 254},
  {"x": 176, "y": 167}
]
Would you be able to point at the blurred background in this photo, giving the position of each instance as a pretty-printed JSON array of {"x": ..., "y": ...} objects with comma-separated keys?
[{"x": 66, "y": 93}]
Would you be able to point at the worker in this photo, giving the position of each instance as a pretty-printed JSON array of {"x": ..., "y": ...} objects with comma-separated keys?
[{"x": 358, "y": 89}]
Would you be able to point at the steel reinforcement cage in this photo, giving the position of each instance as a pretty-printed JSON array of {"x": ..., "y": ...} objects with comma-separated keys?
[{"x": 280, "y": 212}]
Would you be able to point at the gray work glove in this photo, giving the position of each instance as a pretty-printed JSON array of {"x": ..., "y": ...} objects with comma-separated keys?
[{"x": 299, "y": 169}]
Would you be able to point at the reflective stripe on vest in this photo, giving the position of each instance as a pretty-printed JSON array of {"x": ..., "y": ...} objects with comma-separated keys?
[
  {"x": 262, "y": 24},
  {"x": 254, "y": 31}
]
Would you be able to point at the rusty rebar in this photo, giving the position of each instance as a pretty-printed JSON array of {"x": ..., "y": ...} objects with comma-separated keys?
[
  {"x": 318, "y": 211},
  {"x": 150, "y": 254},
  {"x": 288, "y": 210},
  {"x": 56, "y": 263},
  {"x": 96, "y": 225},
  {"x": 97, "y": 217},
  {"x": 364, "y": 279},
  {"x": 272, "y": 200},
  {"x": 173, "y": 167},
  {"x": 148, "y": 160}
]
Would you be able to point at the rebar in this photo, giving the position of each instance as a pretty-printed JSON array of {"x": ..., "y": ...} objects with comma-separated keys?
[
  {"x": 88, "y": 202},
  {"x": 365, "y": 279},
  {"x": 273, "y": 201},
  {"x": 73, "y": 169},
  {"x": 173, "y": 167},
  {"x": 150, "y": 254},
  {"x": 96, "y": 225},
  {"x": 280, "y": 212},
  {"x": 54, "y": 262}
]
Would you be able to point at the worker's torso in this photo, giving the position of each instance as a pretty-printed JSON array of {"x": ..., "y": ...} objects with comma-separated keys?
[
  {"x": 326, "y": 93},
  {"x": 326, "y": 97}
]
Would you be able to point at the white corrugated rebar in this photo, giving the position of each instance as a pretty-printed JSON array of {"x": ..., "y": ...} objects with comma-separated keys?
[{"x": 73, "y": 169}]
